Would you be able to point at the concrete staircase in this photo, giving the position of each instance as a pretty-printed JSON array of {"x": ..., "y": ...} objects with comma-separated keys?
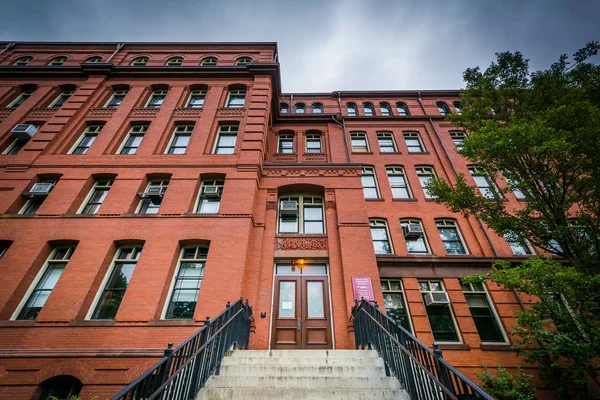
[{"x": 302, "y": 374}]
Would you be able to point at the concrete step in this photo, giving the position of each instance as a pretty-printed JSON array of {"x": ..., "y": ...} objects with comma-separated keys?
[
  {"x": 300, "y": 394},
  {"x": 306, "y": 353},
  {"x": 342, "y": 371},
  {"x": 301, "y": 361},
  {"x": 302, "y": 382}
]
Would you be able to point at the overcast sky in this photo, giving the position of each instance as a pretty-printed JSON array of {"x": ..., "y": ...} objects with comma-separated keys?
[{"x": 327, "y": 45}]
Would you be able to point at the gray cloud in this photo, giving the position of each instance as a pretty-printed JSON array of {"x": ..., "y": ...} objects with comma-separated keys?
[{"x": 331, "y": 44}]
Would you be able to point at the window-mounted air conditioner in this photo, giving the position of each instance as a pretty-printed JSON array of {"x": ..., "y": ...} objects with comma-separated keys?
[
  {"x": 288, "y": 208},
  {"x": 436, "y": 299},
  {"x": 412, "y": 230},
  {"x": 155, "y": 192},
  {"x": 41, "y": 189},
  {"x": 211, "y": 191},
  {"x": 24, "y": 131}
]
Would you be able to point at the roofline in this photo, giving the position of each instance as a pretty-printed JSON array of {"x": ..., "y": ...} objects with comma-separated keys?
[
  {"x": 380, "y": 93},
  {"x": 231, "y": 44}
]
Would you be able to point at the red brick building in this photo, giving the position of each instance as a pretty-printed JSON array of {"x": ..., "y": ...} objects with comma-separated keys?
[{"x": 145, "y": 185}]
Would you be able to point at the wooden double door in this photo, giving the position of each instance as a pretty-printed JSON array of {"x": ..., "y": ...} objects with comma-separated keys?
[{"x": 302, "y": 318}]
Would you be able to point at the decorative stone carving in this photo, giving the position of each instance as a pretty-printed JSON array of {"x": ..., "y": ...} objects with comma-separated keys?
[
  {"x": 144, "y": 112},
  {"x": 315, "y": 157},
  {"x": 230, "y": 111},
  {"x": 301, "y": 243},
  {"x": 187, "y": 112},
  {"x": 102, "y": 112},
  {"x": 42, "y": 112},
  {"x": 285, "y": 158},
  {"x": 311, "y": 172},
  {"x": 5, "y": 112}
]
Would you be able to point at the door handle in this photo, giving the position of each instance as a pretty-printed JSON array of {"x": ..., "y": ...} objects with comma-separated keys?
[{"x": 299, "y": 324}]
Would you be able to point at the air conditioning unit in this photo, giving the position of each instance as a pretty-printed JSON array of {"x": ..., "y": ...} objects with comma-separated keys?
[
  {"x": 24, "y": 131},
  {"x": 41, "y": 189},
  {"x": 436, "y": 299},
  {"x": 412, "y": 230},
  {"x": 211, "y": 191},
  {"x": 288, "y": 208},
  {"x": 155, "y": 193}
]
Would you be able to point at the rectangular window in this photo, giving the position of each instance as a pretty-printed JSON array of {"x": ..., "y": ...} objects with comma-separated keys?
[
  {"x": 517, "y": 192},
  {"x": 414, "y": 236},
  {"x": 439, "y": 314},
  {"x": 133, "y": 139},
  {"x": 86, "y": 139},
  {"x": 210, "y": 196},
  {"x": 313, "y": 143},
  {"x": 34, "y": 203},
  {"x": 152, "y": 197},
  {"x": 25, "y": 94},
  {"x": 97, "y": 196},
  {"x": 451, "y": 237},
  {"x": 286, "y": 143},
  {"x": 359, "y": 142},
  {"x": 181, "y": 139},
  {"x": 196, "y": 99},
  {"x": 43, "y": 286},
  {"x": 484, "y": 316},
  {"x": 395, "y": 303},
  {"x": 398, "y": 183},
  {"x": 458, "y": 139},
  {"x": 308, "y": 218},
  {"x": 118, "y": 279},
  {"x": 386, "y": 142},
  {"x": 116, "y": 99},
  {"x": 184, "y": 295},
  {"x": 61, "y": 99},
  {"x": 236, "y": 98},
  {"x": 226, "y": 139},
  {"x": 15, "y": 146},
  {"x": 425, "y": 174},
  {"x": 156, "y": 98},
  {"x": 369, "y": 183},
  {"x": 413, "y": 142},
  {"x": 519, "y": 246},
  {"x": 380, "y": 237},
  {"x": 483, "y": 182}
]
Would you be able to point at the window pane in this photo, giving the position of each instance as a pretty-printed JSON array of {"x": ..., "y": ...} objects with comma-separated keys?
[
  {"x": 449, "y": 234},
  {"x": 378, "y": 234},
  {"x": 394, "y": 306},
  {"x": 416, "y": 245},
  {"x": 442, "y": 325},
  {"x": 454, "y": 248},
  {"x": 288, "y": 225},
  {"x": 209, "y": 206},
  {"x": 316, "y": 307},
  {"x": 313, "y": 227},
  {"x": 287, "y": 299}
]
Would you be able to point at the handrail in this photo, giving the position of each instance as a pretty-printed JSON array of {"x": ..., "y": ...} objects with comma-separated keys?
[
  {"x": 423, "y": 373},
  {"x": 181, "y": 373}
]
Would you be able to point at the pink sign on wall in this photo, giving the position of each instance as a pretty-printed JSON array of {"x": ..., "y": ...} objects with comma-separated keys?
[{"x": 362, "y": 287}]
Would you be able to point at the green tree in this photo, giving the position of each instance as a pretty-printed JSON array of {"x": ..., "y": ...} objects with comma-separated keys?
[{"x": 539, "y": 133}]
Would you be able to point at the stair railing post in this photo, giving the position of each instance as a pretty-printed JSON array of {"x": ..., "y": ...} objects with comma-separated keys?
[
  {"x": 442, "y": 371},
  {"x": 164, "y": 375},
  {"x": 198, "y": 362}
]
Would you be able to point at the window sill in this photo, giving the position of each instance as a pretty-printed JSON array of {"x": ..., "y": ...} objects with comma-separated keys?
[
  {"x": 417, "y": 153},
  {"x": 93, "y": 322},
  {"x": 17, "y": 323},
  {"x": 362, "y": 152},
  {"x": 405, "y": 200},
  {"x": 376, "y": 200},
  {"x": 383, "y": 153},
  {"x": 496, "y": 347},
  {"x": 299, "y": 235},
  {"x": 453, "y": 346}
]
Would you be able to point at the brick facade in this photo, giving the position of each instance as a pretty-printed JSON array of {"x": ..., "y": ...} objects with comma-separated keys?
[{"x": 242, "y": 238}]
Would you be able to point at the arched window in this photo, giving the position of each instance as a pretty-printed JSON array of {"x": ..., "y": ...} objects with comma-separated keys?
[
  {"x": 208, "y": 61},
  {"x": 23, "y": 61},
  {"x": 368, "y": 109},
  {"x": 317, "y": 108},
  {"x": 140, "y": 61},
  {"x": 301, "y": 213},
  {"x": 174, "y": 61},
  {"x": 352, "y": 109},
  {"x": 443, "y": 108},
  {"x": 425, "y": 173},
  {"x": 300, "y": 108},
  {"x": 451, "y": 236},
  {"x": 283, "y": 108},
  {"x": 380, "y": 236},
  {"x": 236, "y": 96},
  {"x": 458, "y": 107},
  {"x": 398, "y": 182},
  {"x": 369, "y": 182},
  {"x": 243, "y": 61},
  {"x": 57, "y": 61},
  {"x": 386, "y": 110},
  {"x": 94, "y": 60},
  {"x": 414, "y": 236},
  {"x": 402, "y": 109},
  {"x": 61, "y": 387}
]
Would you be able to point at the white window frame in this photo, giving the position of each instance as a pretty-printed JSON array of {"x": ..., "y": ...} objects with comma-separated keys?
[
  {"x": 489, "y": 192},
  {"x": 285, "y": 138},
  {"x": 403, "y": 223},
  {"x": 180, "y": 130},
  {"x": 136, "y": 250},
  {"x": 28, "y": 202},
  {"x": 90, "y": 130},
  {"x": 14, "y": 144},
  {"x": 354, "y": 107},
  {"x": 314, "y": 137},
  {"x": 369, "y": 106},
  {"x": 492, "y": 307},
  {"x": 458, "y": 107},
  {"x": 23, "y": 60},
  {"x": 404, "y": 112},
  {"x": 209, "y": 182},
  {"x": 458, "y": 138},
  {"x": 359, "y": 136},
  {"x": 386, "y": 136},
  {"x": 522, "y": 242},
  {"x": 24, "y": 94},
  {"x": 414, "y": 136},
  {"x": 174, "y": 61},
  {"x": 100, "y": 184},
  {"x": 226, "y": 130},
  {"x": 49, "y": 261},
  {"x": 56, "y": 61},
  {"x": 449, "y": 223},
  {"x": 283, "y": 106},
  {"x": 396, "y": 170},
  {"x": 452, "y": 316},
  {"x": 94, "y": 60},
  {"x": 63, "y": 94},
  {"x": 209, "y": 61},
  {"x": 378, "y": 223},
  {"x": 162, "y": 183},
  {"x": 369, "y": 170},
  {"x": 244, "y": 61},
  {"x": 134, "y": 130},
  {"x": 316, "y": 106},
  {"x": 425, "y": 172},
  {"x": 388, "y": 110},
  {"x": 140, "y": 61},
  {"x": 122, "y": 92},
  {"x": 299, "y": 106},
  {"x": 160, "y": 92},
  {"x": 194, "y": 93},
  {"x": 402, "y": 293},
  {"x": 238, "y": 93},
  {"x": 443, "y": 108},
  {"x": 304, "y": 200}
]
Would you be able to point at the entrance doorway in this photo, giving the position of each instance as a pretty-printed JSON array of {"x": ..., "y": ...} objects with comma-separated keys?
[{"x": 301, "y": 311}]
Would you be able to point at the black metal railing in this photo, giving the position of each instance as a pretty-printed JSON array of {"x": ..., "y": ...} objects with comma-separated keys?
[
  {"x": 423, "y": 373},
  {"x": 182, "y": 372}
]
